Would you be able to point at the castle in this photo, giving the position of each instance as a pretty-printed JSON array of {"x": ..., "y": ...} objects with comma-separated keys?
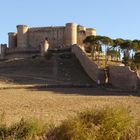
[{"x": 26, "y": 42}]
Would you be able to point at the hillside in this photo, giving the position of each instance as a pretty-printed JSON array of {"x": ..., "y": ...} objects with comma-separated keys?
[{"x": 59, "y": 68}]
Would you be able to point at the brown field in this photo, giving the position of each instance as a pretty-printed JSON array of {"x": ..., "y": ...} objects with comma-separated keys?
[{"x": 56, "y": 104}]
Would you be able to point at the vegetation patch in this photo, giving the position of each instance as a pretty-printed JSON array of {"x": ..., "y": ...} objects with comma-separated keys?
[
  {"x": 23, "y": 130},
  {"x": 106, "y": 124}
]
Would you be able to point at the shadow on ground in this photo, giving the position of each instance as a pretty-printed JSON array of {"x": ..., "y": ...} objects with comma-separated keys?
[{"x": 100, "y": 91}]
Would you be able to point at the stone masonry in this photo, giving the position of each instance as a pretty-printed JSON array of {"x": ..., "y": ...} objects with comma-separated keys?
[{"x": 27, "y": 41}]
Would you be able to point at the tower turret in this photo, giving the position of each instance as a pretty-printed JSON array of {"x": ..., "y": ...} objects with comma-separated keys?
[
  {"x": 71, "y": 33},
  {"x": 12, "y": 40},
  {"x": 90, "y": 31},
  {"x": 22, "y": 36}
]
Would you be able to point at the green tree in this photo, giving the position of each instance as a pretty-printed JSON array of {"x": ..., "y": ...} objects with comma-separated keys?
[
  {"x": 107, "y": 42},
  {"x": 126, "y": 47},
  {"x": 90, "y": 41},
  {"x": 113, "y": 53},
  {"x": 135, "y": 45}
]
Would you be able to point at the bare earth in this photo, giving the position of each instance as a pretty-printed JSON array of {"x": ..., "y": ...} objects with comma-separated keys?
[{"x": 56, "y": 104}]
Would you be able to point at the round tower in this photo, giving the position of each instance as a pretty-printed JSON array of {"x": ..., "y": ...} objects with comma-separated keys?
[
  {"x": 81, "y": 28},
  {"x": 12, "y": 40},
  {"x": 22, "y": 36},
  {"x": 71, "y": 33},
  {"x": 90, "y": 31}
]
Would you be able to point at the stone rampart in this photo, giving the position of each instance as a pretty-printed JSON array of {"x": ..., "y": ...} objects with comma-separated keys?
[
  {"x": 89, "y": 66},
  {"x": 57, "y": 37},
  {"x": 3, "y": 48},
  {"x": 21, "y": 52},
  {"x": 38, "y": 29},
  {"x": 54, "y": 35},
  {"x": 138, "y": 82},
  {"x": 122, "y": 77}
]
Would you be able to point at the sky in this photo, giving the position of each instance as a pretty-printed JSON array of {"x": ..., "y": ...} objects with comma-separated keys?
[{"x": 113, "y": 18}]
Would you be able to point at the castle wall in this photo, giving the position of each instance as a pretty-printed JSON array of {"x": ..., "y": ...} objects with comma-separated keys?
[
  {"x": 59, "y": 36},
  {"x": 27, "y": 39},
  {"x": 54, "y": 35},
  {"x": 89, "y": 66},
  {"x": 122, "y": 77}
]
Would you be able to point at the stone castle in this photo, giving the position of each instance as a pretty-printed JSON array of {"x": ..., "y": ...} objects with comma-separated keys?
[{"x": 27, "y": 41}]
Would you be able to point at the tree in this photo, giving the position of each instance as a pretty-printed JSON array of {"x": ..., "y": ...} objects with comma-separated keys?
[
  {"x": 113, "y": 53},
  {"x": 112, "y": 47},
  {"x": 91, "y": 42},
  {"x": 106, "y": 41},
  {"x": 135, "y": 45},
  {"x": 126, "y": 47}
]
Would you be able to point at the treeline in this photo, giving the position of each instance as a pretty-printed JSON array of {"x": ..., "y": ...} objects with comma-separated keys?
[{"x": 114, "y": 47}]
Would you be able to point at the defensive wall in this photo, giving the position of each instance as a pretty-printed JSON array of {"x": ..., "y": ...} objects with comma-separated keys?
[
  {"x": 28, "y": 40},
  {"x": 121, "y": 77},
  {"x": 138, "y": 85},
  {"x": 89, "y": 66}
]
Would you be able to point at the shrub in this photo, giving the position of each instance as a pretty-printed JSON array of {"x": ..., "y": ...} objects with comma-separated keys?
[
  {"x": 3, "y": 132},
  {"x": 106, "y": 124},
  {"x": 22, "y": 130},
  {"x": 26, "y": 129}
]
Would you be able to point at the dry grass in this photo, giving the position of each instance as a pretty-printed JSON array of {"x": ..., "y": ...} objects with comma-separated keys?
[{"x": 56, "y": 104}]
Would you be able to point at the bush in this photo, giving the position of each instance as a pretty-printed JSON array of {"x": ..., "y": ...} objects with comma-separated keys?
[
  {"x": 3, "y": 132},
  {"x": 22, "y": 130},
  {"x": 26, "y": 129},
  {"x": 106, "y": 124}
]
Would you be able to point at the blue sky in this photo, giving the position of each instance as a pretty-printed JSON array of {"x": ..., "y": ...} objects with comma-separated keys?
[{"x": 113, "y": 18}]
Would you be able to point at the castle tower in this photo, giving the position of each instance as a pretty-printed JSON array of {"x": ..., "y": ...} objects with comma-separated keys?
[
  {"x": 3, "y": 48},
  {"x": 71, "y": 33},
  {"x": 22, "y": 36},
  {"x": 81, "y": 28},
  {"x": 12, "y": 41},
  {"x": 81, "y": 34},
  {"x": 90, "y": 31}
]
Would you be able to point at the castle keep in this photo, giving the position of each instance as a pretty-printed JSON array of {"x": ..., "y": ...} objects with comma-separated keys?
[{"x": 27, "y": 41}]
